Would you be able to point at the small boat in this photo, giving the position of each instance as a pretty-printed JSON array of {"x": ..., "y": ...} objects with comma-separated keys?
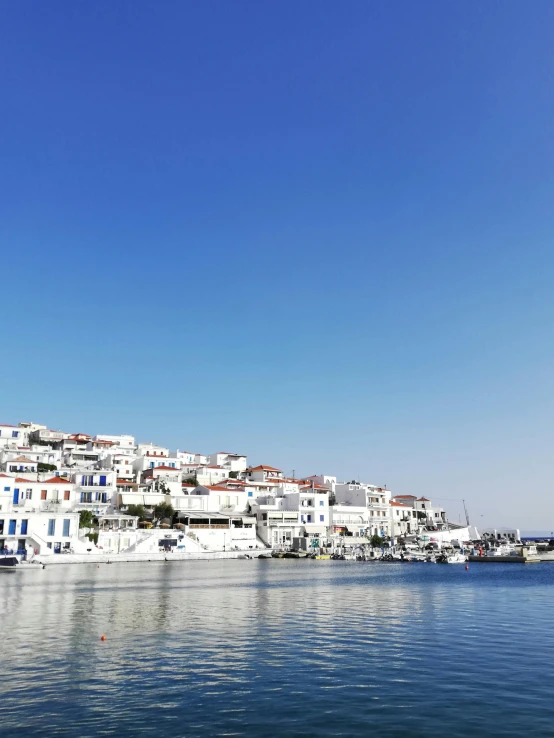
[
  {"x": 13, "y": 564},
  {"x": 452, "y": 558}
]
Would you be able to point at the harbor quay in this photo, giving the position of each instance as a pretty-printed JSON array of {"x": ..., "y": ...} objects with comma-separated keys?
[{"x": 75, "y": 498}]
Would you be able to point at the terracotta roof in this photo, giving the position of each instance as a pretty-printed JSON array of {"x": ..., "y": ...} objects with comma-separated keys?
[
  {"x": 7, "y": 425},
  {"x": 164, "y": 468},
  {"x": 56, "y": 480},
  {"x": 261, "y": 467},
  {"x": 22, "y": 458},
  {"x": 423, "y": 499},
  {"x": 21, "y": 479},
  {"x": 125, "y": 481},
  {"x": 404, "y": 497},
  {"x": 399, "y": 504}
]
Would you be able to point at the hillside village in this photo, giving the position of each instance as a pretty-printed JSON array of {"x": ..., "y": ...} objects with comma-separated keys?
[{"x": 64, "y": 492}]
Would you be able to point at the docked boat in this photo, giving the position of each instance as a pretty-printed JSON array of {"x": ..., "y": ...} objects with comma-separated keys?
[
  {"x": 12, "y": 564},
  {"x": 506, "y": 554},
  {"x": 452, "y": 558}
]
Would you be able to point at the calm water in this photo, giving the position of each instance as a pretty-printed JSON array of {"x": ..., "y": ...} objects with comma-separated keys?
[{"x": 278, "y": 648}]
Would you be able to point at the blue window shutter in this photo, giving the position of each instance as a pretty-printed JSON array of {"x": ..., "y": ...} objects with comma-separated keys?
[
  {"x": 66, "y": 528},
  {"x": 24, "y": 527},
  {"x": 51, "y": 527},
  {"x": 250, "y": 494},
  {"x": 15, "y": 496},
  {"x": 151, "y": 464},
  {"x": 11, "y": 531},
  {"x": 322, "y": 518},
  {"x": 102, "y": 481},
  {"x": 83, "y": 481}
]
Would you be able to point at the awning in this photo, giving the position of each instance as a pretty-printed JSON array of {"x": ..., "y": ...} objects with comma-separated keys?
[
  {"x": 315, "y": 530},
  {"x": 153, "y": 499},
  {"x": 132, "y": 498}
]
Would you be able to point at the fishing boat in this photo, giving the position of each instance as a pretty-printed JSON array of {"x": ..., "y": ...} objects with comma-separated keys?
[{"x": 13, "y": 565}]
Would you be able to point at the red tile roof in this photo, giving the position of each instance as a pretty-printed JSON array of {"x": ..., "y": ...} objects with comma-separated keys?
[
  {"x": 261, "y": 467},
  {"x": 21, "y": 479},
  {"x": 22, "y": 458},
  {"x": 163, "y": 468},
  {"x": 423, "y": 499},
  {"x": 57, "y": 480},
  {"x": 399, "y": 504}
]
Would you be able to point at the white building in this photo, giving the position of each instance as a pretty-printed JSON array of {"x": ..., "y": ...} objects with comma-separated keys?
[
  {"x": 121, "y": 464},
  {"x": 186, "y": 458},
  {"x": 263, "y": 473},
  {"x": 230, "y": 462},
  {"x": 375, "y": 499},
  {"x": 28, "y": 533},
  {"x": 211, "y": 474},
  {"x": 151, "y": 461},
  {"x": 19, "y": 464},
  {"x": 150, "y": 449},
  {"x": 11, "y": 435},
  {"x": 121, "y": 441}
]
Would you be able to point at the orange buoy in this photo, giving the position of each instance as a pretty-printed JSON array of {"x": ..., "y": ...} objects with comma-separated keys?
[
  {"x": 467, "y": 567},
  {"x": 102, "y": 638}
]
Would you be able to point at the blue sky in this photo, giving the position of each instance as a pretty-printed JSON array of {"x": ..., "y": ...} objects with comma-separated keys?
[{"x": 318, "y": 233}]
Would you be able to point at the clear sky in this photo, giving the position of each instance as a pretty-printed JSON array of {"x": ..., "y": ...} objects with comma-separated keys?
[{"x": 319, "y": 233}]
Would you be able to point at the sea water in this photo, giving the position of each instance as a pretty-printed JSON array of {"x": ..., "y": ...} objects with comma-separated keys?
[{"x": 277, "y": 648}]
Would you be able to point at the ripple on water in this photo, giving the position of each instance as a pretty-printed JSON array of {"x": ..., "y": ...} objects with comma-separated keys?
[{"x": 278, "y": 648}]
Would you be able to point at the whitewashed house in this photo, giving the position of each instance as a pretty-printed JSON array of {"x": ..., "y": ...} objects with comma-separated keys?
[
  {"x": 150, "y": 449},
  {"x": 375, "y": 499},
  {"x": 10, "y": 435},
  {"x": 229, "y": 461}
]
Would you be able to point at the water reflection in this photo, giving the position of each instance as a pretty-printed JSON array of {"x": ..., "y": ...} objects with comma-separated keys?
[{"x": 275, "y": 647}]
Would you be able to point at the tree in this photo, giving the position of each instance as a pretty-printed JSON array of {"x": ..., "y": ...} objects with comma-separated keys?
[
  {"x": 46, "y": 467},
  {"x": 233, "y": 475},
  {"x": 376, "y": 541},
  {"x": 86, "y": 519},
  {"x": 191, "y": 480},
  {"x": 137, "y": 510},
  {"x": 163, "y": 510}
]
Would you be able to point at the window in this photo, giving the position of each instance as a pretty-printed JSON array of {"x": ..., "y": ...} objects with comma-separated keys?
[
  {"x": 309, "y": 518},
  {"x": 52, "y": 527},
  {"x": 11, "y": 531},
  {"x": 1, "y": 526},
  {"x": 102, "y": 481},
  {"x": 66, "y": 524},
  {"x": 15, "y": 434},
  {"x": 321, "y": 518},
  {"x": 321, "y": 503},
  {"x": 28, "y": 494},
  {"x": 24, "y": 524},
  {"x": 250, "y": 494},
  {"x": 43, "y": 494},
  {"x": 7, "y": 489}
]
